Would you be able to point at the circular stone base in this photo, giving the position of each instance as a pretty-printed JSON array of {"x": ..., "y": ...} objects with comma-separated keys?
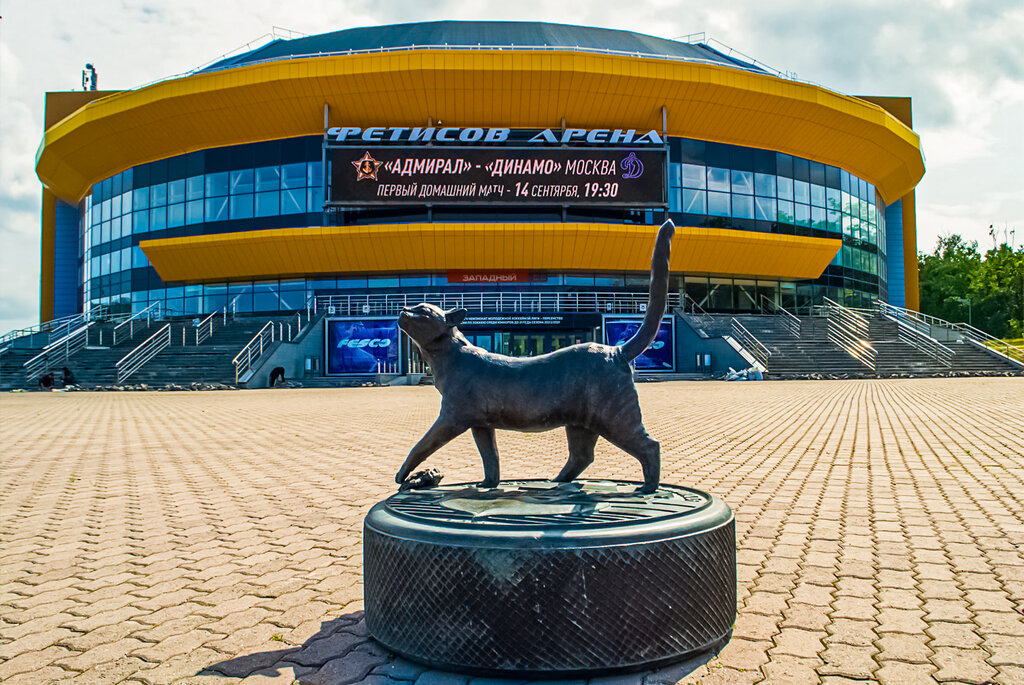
[{"x": 540, "y": 578}]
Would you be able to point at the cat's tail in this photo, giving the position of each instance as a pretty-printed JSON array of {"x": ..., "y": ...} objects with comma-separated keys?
[{"x": 634, "y": 347}]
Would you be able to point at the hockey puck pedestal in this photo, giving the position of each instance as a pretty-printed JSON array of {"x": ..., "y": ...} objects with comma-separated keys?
[{"x": 539, "y": 578}]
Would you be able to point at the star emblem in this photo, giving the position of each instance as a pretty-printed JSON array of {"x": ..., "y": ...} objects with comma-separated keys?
[{"x": 366, "y": 167}]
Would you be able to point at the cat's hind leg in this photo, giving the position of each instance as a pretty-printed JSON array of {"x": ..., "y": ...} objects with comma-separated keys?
[
  {"x": 581, "y": 453},
  {"x": 635, "y": 441},
  {"x": 442, "y": 432},
  {"x": 488, "y": 448}
]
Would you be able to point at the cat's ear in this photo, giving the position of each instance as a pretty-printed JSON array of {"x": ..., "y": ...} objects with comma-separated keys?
[{"x": 453, "y": 317}]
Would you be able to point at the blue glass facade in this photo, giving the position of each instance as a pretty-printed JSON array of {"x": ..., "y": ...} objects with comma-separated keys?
[
  {"x": 894, "y": 250},
  {"x": 279, "y": 184}
]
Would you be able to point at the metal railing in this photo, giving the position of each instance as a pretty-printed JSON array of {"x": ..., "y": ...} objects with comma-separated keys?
[
  {"x": 204, "y": 329},
  {"x": 496, "y": 301},
  {"x": 849, "y": 330},
  {"x": 700, "y": 316},
  {"x": 57, "y": 352},
  {"x": 750, "y": 342},
  {"x": 253, "y": 350},
  {"x": 134, "y": 322},
  {"x": 937, "y": 329},
  {"x": 789, "y": 321},
  {"x": 149, "y": 348},
  {"x": 923, "y": 342}
]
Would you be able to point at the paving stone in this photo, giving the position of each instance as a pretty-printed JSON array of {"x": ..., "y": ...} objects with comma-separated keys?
[{"x": 868, "y": 512}]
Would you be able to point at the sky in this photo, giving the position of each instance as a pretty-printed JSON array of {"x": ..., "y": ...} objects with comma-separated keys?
[{"x": 962, "y": 62}]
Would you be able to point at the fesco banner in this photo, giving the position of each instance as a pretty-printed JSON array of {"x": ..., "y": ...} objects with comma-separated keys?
[
  {"x": 360, "y": 345},
  {"x": 660, "y": 356}
]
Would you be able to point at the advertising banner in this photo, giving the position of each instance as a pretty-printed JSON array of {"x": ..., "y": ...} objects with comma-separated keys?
[
  {"x": 497, "y": 175},
  {"x": 660, "y": 356},
  {"x": 361, "y": 345}
]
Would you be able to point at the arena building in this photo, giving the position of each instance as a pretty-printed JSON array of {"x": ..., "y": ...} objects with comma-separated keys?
[{"x": 506, "y": 159}]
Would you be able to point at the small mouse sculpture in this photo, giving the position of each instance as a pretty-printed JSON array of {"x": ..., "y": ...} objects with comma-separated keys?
[{"x": 587, "y": 388}]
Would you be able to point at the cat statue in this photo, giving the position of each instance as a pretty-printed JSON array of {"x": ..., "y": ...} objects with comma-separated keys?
[{"x": 587, "y": 388}]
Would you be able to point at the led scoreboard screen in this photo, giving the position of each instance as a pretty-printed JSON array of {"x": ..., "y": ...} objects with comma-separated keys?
[{"x": 629, "y": 176}]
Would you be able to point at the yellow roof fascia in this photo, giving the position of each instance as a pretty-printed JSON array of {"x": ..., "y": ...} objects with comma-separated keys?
[
  {"x": 519, "y": 89},
  {"x": 421, "y": 248}
]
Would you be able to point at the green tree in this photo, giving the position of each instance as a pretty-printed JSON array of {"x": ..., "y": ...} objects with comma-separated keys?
[{"x": 958, "y": 283}]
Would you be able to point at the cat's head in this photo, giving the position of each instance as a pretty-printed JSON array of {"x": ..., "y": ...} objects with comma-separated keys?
[{"x": 428, "y": 324}]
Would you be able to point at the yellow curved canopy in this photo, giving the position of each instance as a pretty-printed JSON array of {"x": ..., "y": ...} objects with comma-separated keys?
[
  {"x": 421, "y": 248},
  {"x": 504, "y": 88}
]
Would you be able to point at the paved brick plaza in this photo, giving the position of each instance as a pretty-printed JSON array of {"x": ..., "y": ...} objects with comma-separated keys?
[{"x": 205, "y": 537}]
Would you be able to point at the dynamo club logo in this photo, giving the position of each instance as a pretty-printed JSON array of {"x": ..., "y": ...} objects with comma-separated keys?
[{"x": 632, "y": 167}]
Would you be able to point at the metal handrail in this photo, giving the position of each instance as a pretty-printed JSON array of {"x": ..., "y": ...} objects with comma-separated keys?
[
  {"x": 253, "y": 350},
  {"x": 57, "y": 352},
  {"x": 152, "y": 310},
  {"x": 962, "y": 330},
  {"x": 923, "y": 342},
  {"x": 750, "y": 341},
  {"x": 849, "y": 330},
  {"x": 149, "y": 348},
  {"x": 790, "y": 321},
  {"x": 703, "y": 319},
  {"x": 204, "y": 329},
  {"x": 494, "y": 301}
]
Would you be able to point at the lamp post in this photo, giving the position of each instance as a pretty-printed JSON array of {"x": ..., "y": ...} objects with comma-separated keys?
[{"x": 966, "y": 301}]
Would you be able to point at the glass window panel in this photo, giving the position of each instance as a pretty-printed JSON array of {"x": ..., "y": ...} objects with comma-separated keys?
[
  {"x": 105, "y": 264},
  {"x": 217, "y": 184},
  {"x": 694, "y": 176},
  {"x": 115, "y": 206},
  {"x": 115, "y": 261},
  {"x": 847, "y": 200},
  {"x": 139, "y": 258},
  {"x": 268, "y": 204},
  {"x": 126, "y": 201},
  {"x": 694, "y": 201},
  {"x": 673, "y": 199},
  {"x": 293, "y": 201},
  {"x": 140, "y": 221},
  {"x": 718, "y": 179},
  {"x": 743, "y": 206},
  {"x": 140, "y": 198},
  {"x": 785, "y": 188},
  {"x": 264, "y": 296},
  {"x": 216, "y": 208},
  {"x": 176, "y": 191},
  {"x": 803, "y": 215},
  {"x": 817, "y": 195},
  {"x": 675, "y": 175},
  {"x": 105, "y": 210},
  {"x": 802, "y": 192},
  {"x": 845, "y": 185},
  {"x": 293, "y": 175},
  {"x": 241, "y": 206},
  {"x": 94, "y": 266},
  {"x": 157, "y": 218},
  {"x": 847, "y": 225},
  {"x": 833, "y": 198},
  {"x": 765, "y": 209},
  {"x": 176, "y": 215},
  {"x": 158, "y": 195},
  {"x": 315, "y": 174},
  {"x": 718, "y": 204},
  {"x": 742, "y": 182},
  {"x": 315, "y": 199},
  {"x": 268, "y": 178},
  {"x": 105, "y": 232},
  {"x": 241, "y": 181},
  {"x": 194, "y": 212},
  {"x": 764, "y": 185},
  {"x": 818, "y": 218},
  {"x": 785, "y": 211},
  {"x": 194, "y": 189},
  {"x": 835, "y": 221}
]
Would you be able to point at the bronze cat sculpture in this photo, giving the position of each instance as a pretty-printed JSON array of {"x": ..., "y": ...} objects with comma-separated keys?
[{"x": 588, "y": 388}]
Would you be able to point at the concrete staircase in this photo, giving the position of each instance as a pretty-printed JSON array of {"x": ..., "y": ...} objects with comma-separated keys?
[{"x": 811, "y": 353}]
